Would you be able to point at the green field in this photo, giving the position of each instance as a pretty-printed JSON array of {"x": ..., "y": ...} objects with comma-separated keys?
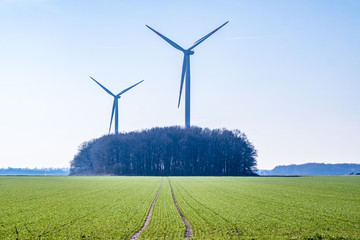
[
  {"x": 271, "y": 208},
  {"x": 216, "y": 207},
  {"x": 74, "y": 207}
]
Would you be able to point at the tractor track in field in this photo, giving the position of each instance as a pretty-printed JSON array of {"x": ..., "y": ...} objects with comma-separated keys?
[
  {"x": 238, "y": 232},
  {"x": 147, "y": 221},
  {"x": 189, "y": 230}
]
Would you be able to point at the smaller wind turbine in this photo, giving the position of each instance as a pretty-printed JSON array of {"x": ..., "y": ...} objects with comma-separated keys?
[{"x": 115, "y": 107}]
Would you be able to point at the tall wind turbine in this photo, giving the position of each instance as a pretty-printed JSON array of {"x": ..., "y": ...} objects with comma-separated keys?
[
  {"x": 186, "y": 68},
  {"x": 115, "y": 104}
]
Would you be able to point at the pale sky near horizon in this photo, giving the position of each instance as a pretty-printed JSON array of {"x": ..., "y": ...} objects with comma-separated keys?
[{"x": 286, "y": 73}]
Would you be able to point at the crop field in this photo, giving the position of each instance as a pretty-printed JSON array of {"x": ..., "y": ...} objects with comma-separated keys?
[
  {"x": 74, "y": 207},
  {"x": 271, "y": 208},
  {"x": 216, "y": 207}
]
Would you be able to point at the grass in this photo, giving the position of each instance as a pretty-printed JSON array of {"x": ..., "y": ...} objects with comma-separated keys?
[
  {"x": 271, "y": 208},
  {"x": 216, "y": 207},
  {"x": 165, "y": 222},
  {"x": 75, "y": 207}
]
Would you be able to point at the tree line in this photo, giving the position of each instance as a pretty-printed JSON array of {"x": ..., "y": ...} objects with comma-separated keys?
[{"x": 167, "y": 151}]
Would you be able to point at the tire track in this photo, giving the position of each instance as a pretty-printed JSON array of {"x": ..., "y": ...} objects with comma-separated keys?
[
  {"x": 238, "y": 232},
  {"x": 189, "y": 230},
  {"x": 147, "y": 221}
]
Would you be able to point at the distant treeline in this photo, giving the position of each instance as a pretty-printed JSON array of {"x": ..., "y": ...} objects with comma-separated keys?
[
  {"x": 314, "y": 169},
  {"x": 34, "y": 171},
  {"x": 168, "y": 151}
]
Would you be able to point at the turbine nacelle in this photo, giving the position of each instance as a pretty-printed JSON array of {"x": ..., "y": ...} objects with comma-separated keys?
[{"x": 189, "y": 52}]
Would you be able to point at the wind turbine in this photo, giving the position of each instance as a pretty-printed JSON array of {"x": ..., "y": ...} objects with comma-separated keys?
[
  {"x": 186, "y": 68},
  {"x": 115, "y": 104}
]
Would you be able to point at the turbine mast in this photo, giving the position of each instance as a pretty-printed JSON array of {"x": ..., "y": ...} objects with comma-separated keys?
[
  {"x": 187, "y": 94},
  {"x": 117, "y": 115}
]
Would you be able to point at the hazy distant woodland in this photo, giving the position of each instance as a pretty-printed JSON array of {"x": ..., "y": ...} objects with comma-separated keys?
[
  {"x": 168, "y": 151},
  {"x": 314, "y": 169},
  {"x": 35, "y": 171}
]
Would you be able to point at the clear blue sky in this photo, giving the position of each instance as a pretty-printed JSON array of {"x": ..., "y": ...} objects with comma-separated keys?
[{"x": 286, "y": 73}]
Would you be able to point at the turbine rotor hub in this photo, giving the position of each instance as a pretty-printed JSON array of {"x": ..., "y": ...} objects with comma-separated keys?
[{"x": 189, "y": 52}]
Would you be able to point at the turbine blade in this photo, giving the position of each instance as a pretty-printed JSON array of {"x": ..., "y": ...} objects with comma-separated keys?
[
  {"x": 182, "y": 77},
  {"x": 166, "y": 39},
  {"x": 107, "y": 90},
  {"x": 123, "y": 91},
  {"x": 206, "y": 36},
  {"x": 112, "y": 114}
]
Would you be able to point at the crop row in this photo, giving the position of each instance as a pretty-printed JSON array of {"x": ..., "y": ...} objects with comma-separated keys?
[
  {"x": 76, "y": 207},
  {"x": 165, "y": 222},
  {"x": 271, "y": 208}
]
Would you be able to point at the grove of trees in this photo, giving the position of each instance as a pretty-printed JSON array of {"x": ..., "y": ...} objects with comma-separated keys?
[{"x": 167, "y": 151}]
